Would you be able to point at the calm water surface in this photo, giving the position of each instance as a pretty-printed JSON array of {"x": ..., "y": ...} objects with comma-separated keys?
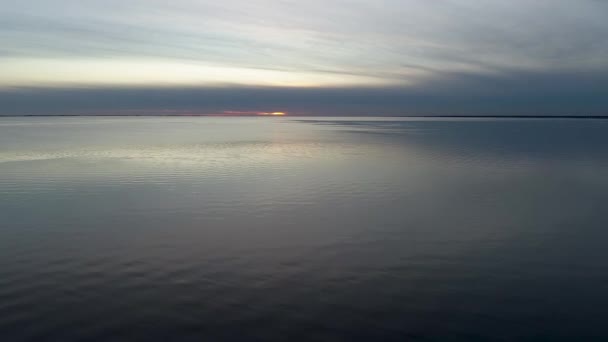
[{"x": 275, "y": 229}]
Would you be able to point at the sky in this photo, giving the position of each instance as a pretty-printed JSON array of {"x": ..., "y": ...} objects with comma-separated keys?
[{"x": 314, "y": 57}]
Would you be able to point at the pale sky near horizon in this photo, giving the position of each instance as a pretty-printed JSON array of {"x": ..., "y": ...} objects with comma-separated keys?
[{"x": 315, "y": 56}]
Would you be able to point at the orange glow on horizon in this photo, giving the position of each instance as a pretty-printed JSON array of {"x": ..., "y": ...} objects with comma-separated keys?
[
  {"x": 272, "y": 113},
  {"x": 251, "y": 113}
]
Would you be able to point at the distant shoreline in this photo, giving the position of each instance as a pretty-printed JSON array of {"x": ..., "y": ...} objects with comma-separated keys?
[{"x": 600, "y": 117}]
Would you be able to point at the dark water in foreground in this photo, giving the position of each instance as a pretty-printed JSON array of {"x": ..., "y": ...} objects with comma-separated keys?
[{"x": 264, "y": 229}]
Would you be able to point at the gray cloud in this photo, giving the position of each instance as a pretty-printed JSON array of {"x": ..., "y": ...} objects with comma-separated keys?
[{"x": 511, "y": 93}]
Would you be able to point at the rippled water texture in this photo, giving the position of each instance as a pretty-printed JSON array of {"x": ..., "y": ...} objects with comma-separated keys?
[{"x": 274, "y": 229}]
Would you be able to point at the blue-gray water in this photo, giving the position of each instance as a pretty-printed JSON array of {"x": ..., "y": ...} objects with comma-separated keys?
[{"x": 276, "y": 229}]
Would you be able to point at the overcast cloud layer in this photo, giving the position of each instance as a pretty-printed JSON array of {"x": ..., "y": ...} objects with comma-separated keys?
[{"x": 330, "y": 57}]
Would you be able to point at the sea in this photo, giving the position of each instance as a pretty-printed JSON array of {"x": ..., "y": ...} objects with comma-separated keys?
[{"x": 303, "y": 229}]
